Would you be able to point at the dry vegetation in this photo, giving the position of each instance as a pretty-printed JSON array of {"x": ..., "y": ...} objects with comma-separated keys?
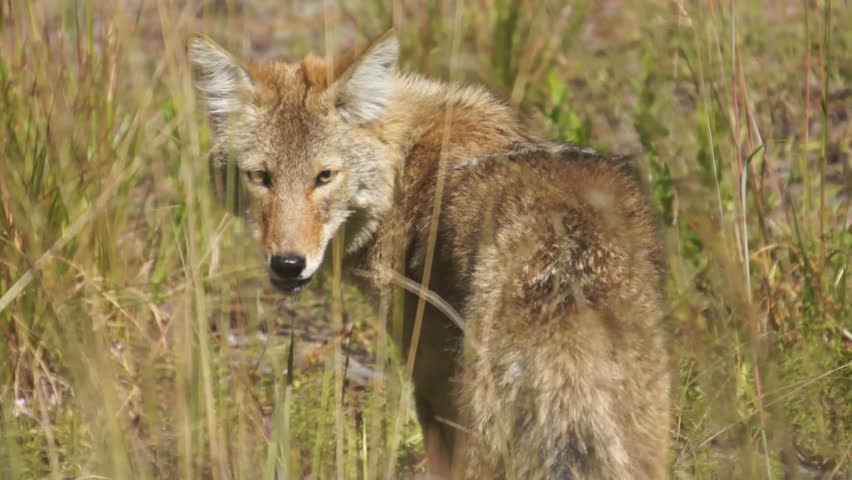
[{"x": 138, "y": 337}]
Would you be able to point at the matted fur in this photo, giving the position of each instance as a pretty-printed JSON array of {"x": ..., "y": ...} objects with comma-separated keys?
[{"x": 548, "y": 251}]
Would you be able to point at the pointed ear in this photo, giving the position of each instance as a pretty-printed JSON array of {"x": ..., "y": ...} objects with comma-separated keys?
[
  {"x": 363, "y": 91},
  {"x": 220, "y": 79}
]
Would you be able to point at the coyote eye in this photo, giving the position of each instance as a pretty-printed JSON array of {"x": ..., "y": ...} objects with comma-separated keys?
[
  {"x": 258, "y": 177},
  {"x": 325, "y": 177}
]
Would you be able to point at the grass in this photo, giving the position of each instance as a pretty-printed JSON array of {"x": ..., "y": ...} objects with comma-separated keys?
[{"x": 140, "y": 341}]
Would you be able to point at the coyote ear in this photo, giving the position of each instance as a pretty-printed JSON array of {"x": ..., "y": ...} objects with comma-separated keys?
[
  {"x": 364, "y": 89},
  {"x": 225, "y": 85}
]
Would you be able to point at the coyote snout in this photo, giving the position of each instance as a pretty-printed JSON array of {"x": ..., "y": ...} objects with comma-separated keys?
[
  {"x": 289, "y": 222},
  {"x": 285, "y": 271},
  {"x": 291, "y": 233}
]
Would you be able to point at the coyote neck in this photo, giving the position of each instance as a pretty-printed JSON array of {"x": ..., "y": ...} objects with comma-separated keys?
[
  {"x": 460, "y": 121},
  {"x": 426, "y": 121}
]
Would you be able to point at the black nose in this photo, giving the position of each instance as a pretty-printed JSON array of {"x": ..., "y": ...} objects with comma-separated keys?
[{"x": 287, "y": 266}]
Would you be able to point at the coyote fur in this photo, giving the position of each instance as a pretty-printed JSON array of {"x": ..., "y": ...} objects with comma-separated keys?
[{"x": 548, "y": 252}]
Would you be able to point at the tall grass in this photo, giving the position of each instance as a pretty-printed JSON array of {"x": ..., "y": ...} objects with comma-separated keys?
[{"x": 139, "y": 339}]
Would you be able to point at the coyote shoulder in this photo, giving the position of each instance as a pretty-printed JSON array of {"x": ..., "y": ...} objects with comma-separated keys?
[{"x": 549, "y": 253}]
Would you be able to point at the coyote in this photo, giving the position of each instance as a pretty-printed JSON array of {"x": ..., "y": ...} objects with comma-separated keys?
[{"x": 549, "y": 254}]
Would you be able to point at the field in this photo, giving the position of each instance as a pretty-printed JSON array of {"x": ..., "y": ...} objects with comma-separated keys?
[{"x": 139, "y": 337}]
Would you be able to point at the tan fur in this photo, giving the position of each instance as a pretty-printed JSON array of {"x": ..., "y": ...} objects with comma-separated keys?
[{"x": 548, "y": 251}]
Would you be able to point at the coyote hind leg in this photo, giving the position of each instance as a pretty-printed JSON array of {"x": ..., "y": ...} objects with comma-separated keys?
[{"x": 562, "y": 399}]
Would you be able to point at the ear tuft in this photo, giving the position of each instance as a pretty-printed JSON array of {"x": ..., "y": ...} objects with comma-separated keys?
[
  {"x": 220, "y": 79},
  {"x": 366, "y": 87}
]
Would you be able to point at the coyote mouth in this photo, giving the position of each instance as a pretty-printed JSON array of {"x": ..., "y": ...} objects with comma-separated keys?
[{"x": 289, "y": 286}]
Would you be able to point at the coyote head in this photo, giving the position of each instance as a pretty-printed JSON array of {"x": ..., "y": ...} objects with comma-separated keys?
[{"x": 305, "y": 142}]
